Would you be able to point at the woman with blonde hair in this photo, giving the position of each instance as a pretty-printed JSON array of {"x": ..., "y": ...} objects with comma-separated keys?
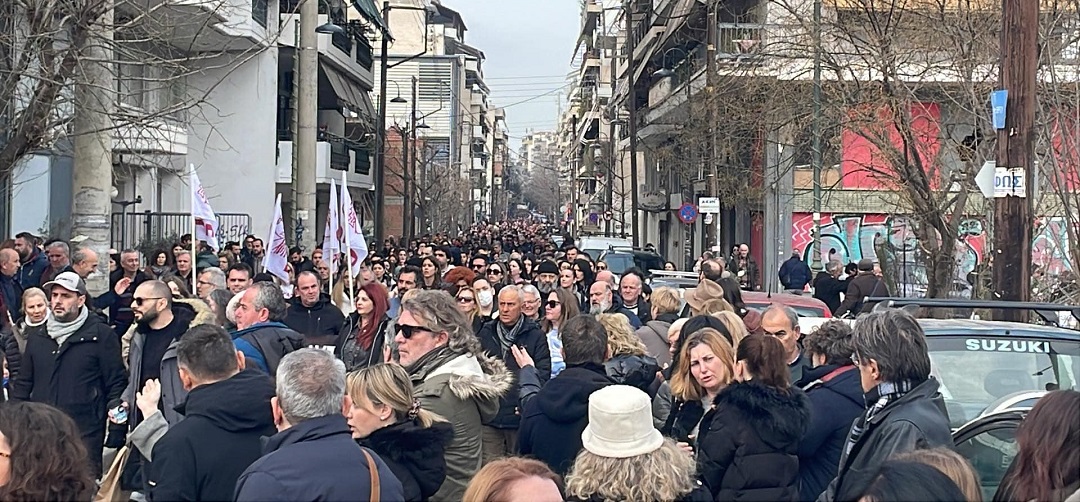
[
  {"x": 467, "y": 304},
  {"x": 35, "y": 309},
  {"x": 628, "y": 364},
  {"x": 734, "y": 324},
  {"x": 705, "y": 366},
  {"x": 385, "y": 417},
  {"x": 665, "y": 304},
  {"x": 625, "y": 457},
  {"x": 515, "y": 479},
  {"x": 950, "y": 464}
]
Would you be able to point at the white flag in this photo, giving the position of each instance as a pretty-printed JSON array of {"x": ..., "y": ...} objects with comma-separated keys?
[
  {"x": 335, "y": 231},
  {"x": 354, "y": 237},
  {"x": 277, "y": 255},
  {"x": 206, "y": 223}
]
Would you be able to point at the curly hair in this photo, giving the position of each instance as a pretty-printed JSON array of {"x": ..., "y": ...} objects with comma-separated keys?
[
  {"x": 667, "y": 473},
  {"x": 622, "y": 341},
  {"x": 438, "y": 311},
  {"x": 834, "y": 340},
  {"x": 48, "y": 459}
]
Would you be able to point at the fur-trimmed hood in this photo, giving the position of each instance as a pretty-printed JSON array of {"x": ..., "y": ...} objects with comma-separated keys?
[
  {"x": 475, "y": 377},
  {"x": 415, "y": 454},
  {"x": 779, "y": 417}
]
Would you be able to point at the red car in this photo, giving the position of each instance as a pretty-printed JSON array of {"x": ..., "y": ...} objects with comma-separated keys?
[{"x": 804, "y": 305}]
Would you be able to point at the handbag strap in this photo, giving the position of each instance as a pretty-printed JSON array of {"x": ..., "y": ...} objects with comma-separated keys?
[{"x": 373, "y": 472}]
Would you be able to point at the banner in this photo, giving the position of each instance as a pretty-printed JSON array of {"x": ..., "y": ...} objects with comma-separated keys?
[
  {"x": 334, "y": 233},
  {"x": 277, "y": 253},
  {"x": 206, "y": 223},
  {"x": 354, "y": 237}
]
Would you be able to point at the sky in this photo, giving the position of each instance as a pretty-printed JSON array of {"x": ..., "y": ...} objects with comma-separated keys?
[{"x": 528, "y": 45}]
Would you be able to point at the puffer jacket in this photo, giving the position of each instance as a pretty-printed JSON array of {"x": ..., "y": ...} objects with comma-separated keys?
[
  {"x": 264, "y": 344},
  {"x": 355, "y": 357},
  {"x": 194, "y": 312},
  {"x": 749, "y": 440},
  {"x": 464, "y": 389},
  {"x": 13, "y": 344}
]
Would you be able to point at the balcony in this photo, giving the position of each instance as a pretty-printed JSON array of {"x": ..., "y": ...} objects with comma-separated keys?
[
  {"x": 138, "y": 133},
  {"x": 199, "y": 25},
  {"x": 740, "y": 41},
  {"x": 334, "y": 155},
  {"x": 350, "y": 54}
]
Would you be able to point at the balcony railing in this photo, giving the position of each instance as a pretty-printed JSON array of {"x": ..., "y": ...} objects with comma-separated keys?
[
  {"x": 740, "y": 40},
  {"x": 363, "y": 54},
  {"x": 342, "y": 41}
]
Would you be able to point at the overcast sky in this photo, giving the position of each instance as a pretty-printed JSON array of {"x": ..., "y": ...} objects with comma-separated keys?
[{"x": 528, "y": 45}]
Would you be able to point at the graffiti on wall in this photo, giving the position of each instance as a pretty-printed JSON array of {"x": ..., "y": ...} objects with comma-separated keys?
[{"x": 891, "y": 239}]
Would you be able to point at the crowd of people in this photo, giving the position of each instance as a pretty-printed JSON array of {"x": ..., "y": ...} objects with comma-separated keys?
[{"x": 492, "y": 366}]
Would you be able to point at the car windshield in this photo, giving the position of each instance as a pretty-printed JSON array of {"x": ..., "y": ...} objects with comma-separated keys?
[
  {"x": 977, "y": 371},
  {"x": 619, "y": 263}
]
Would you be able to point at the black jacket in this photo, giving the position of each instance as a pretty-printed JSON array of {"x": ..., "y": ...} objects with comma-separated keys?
[
  {"x": 120, "y": 314},
  {"x": 535, "y": 342},
  {"x": 83, "y": 378},
  {"x": 916, "y": 421},
  {"x": 682, "y": 419},
  {"x": 356, "y": 357},
  {"x": 749, "y": 440},
  {"x": 864, "y": 285},
  {"x": 316, "y": 459},
  {"x": 201, "y": 457},
  {"x": 643, "y": 310},
  {"x": 635, "y": 371},
  {"x": 828, "y": 288},
  {"x": 554, "y": 419},
  {"x": 834, "y": 404},
  {"x": 13, "y": 344},
  {"x": 794, "y": 274},
  {"x": 414, "y": 454},
  {"x": 320, "y": 324}
]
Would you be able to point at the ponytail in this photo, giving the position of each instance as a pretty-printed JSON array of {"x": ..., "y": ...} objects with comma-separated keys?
[{"x": 764, "y": 358}]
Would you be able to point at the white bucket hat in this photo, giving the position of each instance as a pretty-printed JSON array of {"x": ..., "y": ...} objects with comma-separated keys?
[{"x": 620, "y": 423}]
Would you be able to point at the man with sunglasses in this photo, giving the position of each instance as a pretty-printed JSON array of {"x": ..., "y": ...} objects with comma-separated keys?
[
  {"x": 480, "y": 265},
  {"x": 453, "y": 378}
]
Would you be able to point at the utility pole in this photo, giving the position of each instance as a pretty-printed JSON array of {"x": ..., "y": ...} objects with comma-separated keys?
[
  {"x": 816, "y": 142},
  {"x": 380, "y": 135},
  {"x": 307, "y": 86},
  {"x": 1013, "y": 216},
  {"x": 575, "y": 175},
  {"x": 406, "y": 173},
  {"x": 632, "y": 105},
  {"x": 95, "y": 98},
  {"x": 711, "y": 231},
  {"x": 414, "y": 195}
]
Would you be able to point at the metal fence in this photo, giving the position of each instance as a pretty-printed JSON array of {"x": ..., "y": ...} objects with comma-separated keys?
[{"x": 136, "y": 230}]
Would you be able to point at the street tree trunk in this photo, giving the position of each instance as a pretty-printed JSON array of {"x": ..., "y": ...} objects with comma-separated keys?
[{"x": 92, "y": 176}]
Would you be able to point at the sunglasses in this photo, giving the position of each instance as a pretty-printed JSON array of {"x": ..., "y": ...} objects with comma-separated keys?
[
  {"x": 465, "y": 299},
  {"x": 139, "y": 301},
  {"x": 601, "y": 267},
  {"x": 494, "y": 271},
  {"x": 552, "y": 304},
  {"x": 478, "y": 265},
  {"x": 408, "y": 331}
]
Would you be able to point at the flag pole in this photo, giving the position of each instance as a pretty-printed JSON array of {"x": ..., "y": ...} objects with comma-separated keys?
[
  {"x": 348, "y": 257},
  {"x": 327, "y": 259},
  {"x": 270, "y": 234},
  {"x": 194, "y": 234}
]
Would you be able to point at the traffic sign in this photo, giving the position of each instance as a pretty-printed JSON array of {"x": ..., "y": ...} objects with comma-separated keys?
[
  {"x": 609, "y": 216},
  {"x": 709, "y": 205},
  {"x": 1010, "y": 181},
  {"x": 985, "y": 179},
  {"x": 688, "y": 213}
]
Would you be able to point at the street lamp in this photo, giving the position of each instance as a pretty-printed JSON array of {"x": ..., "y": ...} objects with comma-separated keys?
[
  {"x": 664, "y": 71},
  {"x": 330, "y": 29},
  {"x": 398, "y": 98}
]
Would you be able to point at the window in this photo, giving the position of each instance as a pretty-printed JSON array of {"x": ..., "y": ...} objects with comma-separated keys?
[
  {"x": 260, "y": 10},
  {"x": 131, "y": 85}
]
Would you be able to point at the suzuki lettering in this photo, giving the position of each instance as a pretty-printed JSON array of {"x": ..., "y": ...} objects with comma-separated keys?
[{"x": 989, "y": 345}]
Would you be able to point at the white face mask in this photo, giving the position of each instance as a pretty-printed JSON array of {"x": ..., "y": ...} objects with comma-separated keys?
[{"x": 485, "y": 297}]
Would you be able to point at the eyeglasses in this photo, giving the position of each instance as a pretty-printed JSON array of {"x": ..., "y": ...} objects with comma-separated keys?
[
  {"x": 855, "y": 359},
  {"x": 407, "y": 331},
  {"x": 139, "y": 301},
  {"x": 552, "y": 304},
  {"x": 465, "y": 299}
]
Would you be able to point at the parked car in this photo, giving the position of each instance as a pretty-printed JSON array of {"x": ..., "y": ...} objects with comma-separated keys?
[
  {"x": 619, "y": 260},
  {"x": 595, "y": 246},
  {"x": 804, "y": 305}
]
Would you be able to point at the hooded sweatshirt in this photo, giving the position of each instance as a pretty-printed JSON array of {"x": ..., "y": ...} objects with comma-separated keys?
[
  {"x": 320, "y": 323},
  {"x": 553, "y": 421},
  {"x": 202, "y": 457}
]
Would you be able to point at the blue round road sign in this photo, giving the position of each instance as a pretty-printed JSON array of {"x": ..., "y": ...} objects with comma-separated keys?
[{"x": 688, "y": 213}]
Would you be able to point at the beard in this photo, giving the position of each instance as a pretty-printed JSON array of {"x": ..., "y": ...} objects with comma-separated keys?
[
  {"x": 595, "y": 309},
  {"x": 146, "y": 318},
  {"x": 545, "y": 287}
]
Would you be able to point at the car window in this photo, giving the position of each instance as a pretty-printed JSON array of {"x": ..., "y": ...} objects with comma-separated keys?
[
  {"x": 976, "y": 371},
  {"x": 990, "y": 453},
  {"x": 619, "y": 263},
  {"x": 802, "y": 311}
]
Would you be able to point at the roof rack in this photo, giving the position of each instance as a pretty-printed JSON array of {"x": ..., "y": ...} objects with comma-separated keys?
[{"x": 1047, "y": 311}]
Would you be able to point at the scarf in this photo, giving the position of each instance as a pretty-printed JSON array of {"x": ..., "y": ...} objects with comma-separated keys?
[
  {"x": 876, "y": 400},
  {"x": 60, "y": 331},
  {"x": 427, "y": 363},
  {"x": 507, "y": 337}
]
